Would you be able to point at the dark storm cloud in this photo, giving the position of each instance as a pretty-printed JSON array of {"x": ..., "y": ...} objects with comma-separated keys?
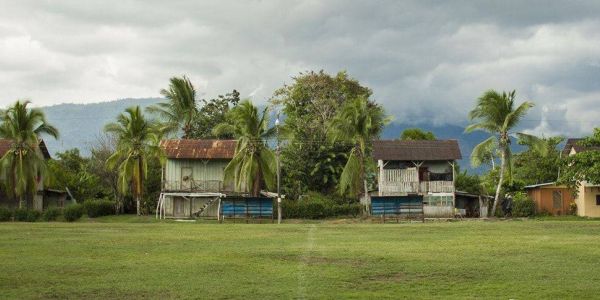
[{"x": 426, "y": 61}]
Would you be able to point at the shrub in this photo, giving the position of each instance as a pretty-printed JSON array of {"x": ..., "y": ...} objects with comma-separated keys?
[
  {"x": 73, "y": 212},
  {"x": 318, "y": 206},
  {"x": 573, "y": 208},
  {"x": 5, "y": 214},
  {"x": 522, "y": 205},
  {"x": 98, "y": 208},
  {"x": 33, "y": 215},
  {"x": 51, "y": 214},
  {"x": 20, "y": 214}
]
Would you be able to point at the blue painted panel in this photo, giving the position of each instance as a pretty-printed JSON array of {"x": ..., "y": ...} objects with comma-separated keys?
[
  {"x": 397, "y": 205},
  {"x": 247, "y": 207}
]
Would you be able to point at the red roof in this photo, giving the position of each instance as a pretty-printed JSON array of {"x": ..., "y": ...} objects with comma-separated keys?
[
  {"x": 199, "y": 149},
  {"x": 6, "y": 144},
  {"x": 416, "y": 150}
]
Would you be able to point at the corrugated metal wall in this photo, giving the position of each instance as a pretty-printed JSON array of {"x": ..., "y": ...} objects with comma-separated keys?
[{"x": 201, "y": 170}]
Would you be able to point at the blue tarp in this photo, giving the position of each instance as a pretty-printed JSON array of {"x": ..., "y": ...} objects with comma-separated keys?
[
  {"x": 396, "y": 205},
  {"x": 247, "y": 207}
]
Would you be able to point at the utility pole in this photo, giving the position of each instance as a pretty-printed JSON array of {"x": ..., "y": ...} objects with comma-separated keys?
[{"x": 277, "y": 152}]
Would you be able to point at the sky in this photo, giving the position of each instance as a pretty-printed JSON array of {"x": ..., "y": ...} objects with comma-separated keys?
[{"x": 426, "y": 61}]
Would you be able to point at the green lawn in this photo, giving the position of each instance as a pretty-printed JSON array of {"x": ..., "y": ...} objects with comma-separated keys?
[{"x": 132, "y": 258}]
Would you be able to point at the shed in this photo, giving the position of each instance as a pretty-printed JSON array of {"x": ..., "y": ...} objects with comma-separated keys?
[{"x": 550, "y": 197}]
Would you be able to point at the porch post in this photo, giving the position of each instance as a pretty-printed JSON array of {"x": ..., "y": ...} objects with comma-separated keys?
[{"x": 381, "y": 176}]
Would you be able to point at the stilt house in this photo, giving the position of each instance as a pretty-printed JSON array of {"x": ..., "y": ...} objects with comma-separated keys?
[{"x": 422, "y": 171}]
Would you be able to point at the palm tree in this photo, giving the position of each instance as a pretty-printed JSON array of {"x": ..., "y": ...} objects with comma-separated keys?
[
  {"x": 180, "y": 109},
  {"x": 496, "y": 114},
  {"x": 137, "y": 141},
  {"x": 357, "y": 123},
  {"x": 253, "y": 161},
  {"x": 23, "y": 164}
]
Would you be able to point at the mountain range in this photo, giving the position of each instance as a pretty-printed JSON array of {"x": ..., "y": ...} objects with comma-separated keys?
[{"x": 81, "y": 124}]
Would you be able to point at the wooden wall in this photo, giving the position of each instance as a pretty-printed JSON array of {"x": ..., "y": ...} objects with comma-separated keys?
[{"x": 542, "y": 196}]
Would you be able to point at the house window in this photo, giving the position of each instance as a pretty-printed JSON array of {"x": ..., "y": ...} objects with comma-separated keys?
[
  {"x": 432, "y": 200},
  {"x": 557, "y": 199},
  {"x": 597, "y": 199}
]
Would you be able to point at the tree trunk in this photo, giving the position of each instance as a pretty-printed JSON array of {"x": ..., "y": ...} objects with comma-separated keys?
[
  {"x": 256, "y": 185},
  {"x": 140, "y": 187},
  {"x": 22, "y": 203},
  {"x": 500, "y": 180},
  {"x": 137, "y": 204}
]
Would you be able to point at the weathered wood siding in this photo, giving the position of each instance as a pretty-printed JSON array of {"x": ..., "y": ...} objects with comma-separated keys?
[
  {"x": 207, "y": 173},
  {"x": 197, "y": 204},
  {"x": 438, "y": 206}
]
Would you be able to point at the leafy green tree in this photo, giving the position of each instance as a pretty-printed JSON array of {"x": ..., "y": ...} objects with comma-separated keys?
[
  {"x": 70, "y": 170},
  {"x": 213, "y": 112},
  {"x": 310, "y": 161},
  {"x": 584, "y": 165},
  {"x": 23, "y": 164},
  {"x": 253, "y": 163},
  {"x": 496, "y": 114},
  {"x": 179, "y": 111},
  {"x": 357, "y": 123},
  {"x": 101, "y": 149},
  {"x": 137, "y": 142},
  {"x": 539, "y": 163},
  {"x": 416, "y": 134},
  {"x": 470, "y": 183}
]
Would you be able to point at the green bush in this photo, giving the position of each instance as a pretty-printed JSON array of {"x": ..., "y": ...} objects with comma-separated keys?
[
  {"x": 73, "y": 212},
  {"x": 51, "y": 214},
  {"x": 20, "y": 214},
  {"x": 318, "y": 206},
  {"x": 5, "y": 214},
  {"x": 522, "y": 205},
  {"x": 98, "y": 208},
  {"x": 26, "y": 215},
  {"x": 33, "y": 215},
  {"x": 573, "y": 209}
]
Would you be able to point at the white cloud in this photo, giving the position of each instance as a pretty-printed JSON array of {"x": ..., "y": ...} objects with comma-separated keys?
[{"x": 424, "y": 62}]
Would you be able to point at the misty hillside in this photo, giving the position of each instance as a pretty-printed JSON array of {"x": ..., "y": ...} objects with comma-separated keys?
[{"x": 80, "y": 124}]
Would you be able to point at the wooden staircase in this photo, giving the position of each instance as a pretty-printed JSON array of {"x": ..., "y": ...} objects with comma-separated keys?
[{"x": 204, "y": 207}]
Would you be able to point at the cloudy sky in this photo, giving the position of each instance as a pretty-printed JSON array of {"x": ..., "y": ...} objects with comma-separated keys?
[{"x": 426, "y": 61}]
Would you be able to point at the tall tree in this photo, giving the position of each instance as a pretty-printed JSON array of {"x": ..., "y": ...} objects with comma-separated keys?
[
  {"x": 213, "y": 112},
  {"x": 137, "y": 142},
  {"x": 71, "y": 171},
  {"x": 23, "y": 164},
  {"x": 179, "y": 111},
  {"x": 357, "y": 123},
  {"x": 498, "y": 115},
  {"x": 539, "y": 163},
  {"x": 253, "y": 163},
  {"x": 416, "y": 134},
  {"x": 309, "y": 160},
  {"x": 584, "y": 165}
]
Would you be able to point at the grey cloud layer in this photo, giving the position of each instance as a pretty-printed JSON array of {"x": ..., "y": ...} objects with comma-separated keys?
[{"x": 426, "y": 61}]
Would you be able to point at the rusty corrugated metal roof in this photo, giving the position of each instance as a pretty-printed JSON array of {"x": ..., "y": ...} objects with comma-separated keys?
[
  {"x": 5, "y": 145},
  {"x": 416, "y": 150},
  {"x": 199, "y": 149}
]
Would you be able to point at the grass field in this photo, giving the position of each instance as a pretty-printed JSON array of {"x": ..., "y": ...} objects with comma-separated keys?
[{"x": 127, "y": 258}]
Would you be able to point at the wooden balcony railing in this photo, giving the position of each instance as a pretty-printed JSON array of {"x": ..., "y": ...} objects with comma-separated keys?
[
  {"x": 391, "y": 187},
  {"x": 193, "y": 186},
  {"x": 398, "y": 181}
]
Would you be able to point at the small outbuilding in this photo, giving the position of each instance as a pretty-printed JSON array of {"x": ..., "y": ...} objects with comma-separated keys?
[{"x": 551, "y": 198}]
